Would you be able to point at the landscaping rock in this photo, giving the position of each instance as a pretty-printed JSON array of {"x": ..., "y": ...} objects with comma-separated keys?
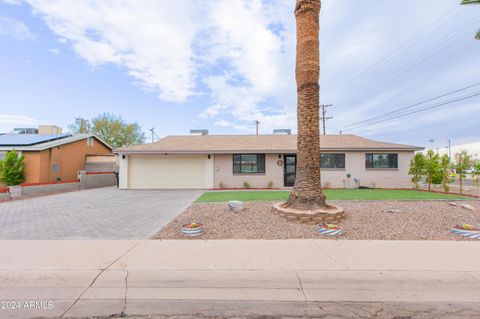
[
  {"x": 394, "y": 211},
  {"x": 469, "y": 207},
  {"x": 366, "y": 220},
  {"x": 236, "y": 206},
  {"x": 453, "y": 204}
]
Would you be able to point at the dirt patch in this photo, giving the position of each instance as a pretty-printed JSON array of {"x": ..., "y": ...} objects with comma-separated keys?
[{"x": 408, "y": 220}]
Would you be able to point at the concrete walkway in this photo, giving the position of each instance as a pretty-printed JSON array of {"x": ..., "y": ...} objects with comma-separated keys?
[{"x": 228, "y": 278}]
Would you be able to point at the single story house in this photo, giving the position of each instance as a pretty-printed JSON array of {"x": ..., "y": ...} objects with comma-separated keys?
[
  {"x": 52, "y": 158},
  {"x": 228, "y": 161}
]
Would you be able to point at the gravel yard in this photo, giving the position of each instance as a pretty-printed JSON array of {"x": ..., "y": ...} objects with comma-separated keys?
[{"x": 418, "y": 220}]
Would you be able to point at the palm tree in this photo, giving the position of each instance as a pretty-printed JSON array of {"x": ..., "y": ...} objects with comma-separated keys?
[
  {"x": 472, "y": 2},
  {"x": 307, "y": 192}
]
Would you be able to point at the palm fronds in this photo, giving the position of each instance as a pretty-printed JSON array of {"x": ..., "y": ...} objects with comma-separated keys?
[
  {"x": 478, "y": 35},
  {"x": 470, "y": 2}
]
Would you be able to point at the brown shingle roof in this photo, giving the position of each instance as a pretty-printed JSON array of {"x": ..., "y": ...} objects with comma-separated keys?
[{"x": 252, "y": 143}]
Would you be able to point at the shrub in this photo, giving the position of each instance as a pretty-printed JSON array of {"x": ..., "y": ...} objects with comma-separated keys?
[
  {"x": 12, "y": 170},
  {"x": 246, "y": 185},
  {"x": 327, "y": 185},
  {"x": 221, "y": 185},
  {"x": 270, "y": 184}
]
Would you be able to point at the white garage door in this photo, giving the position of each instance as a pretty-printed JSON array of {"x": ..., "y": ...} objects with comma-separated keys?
[{"x": 168, "y": 171}]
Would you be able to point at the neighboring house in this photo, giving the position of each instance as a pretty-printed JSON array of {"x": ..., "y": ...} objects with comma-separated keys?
[
  {"x": 51, "y": 158},
  {"x": 211, "y": 161}
]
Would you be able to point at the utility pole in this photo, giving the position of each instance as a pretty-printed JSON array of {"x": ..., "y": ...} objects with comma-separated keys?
[
  {"x": 256, "y": 124},
  {"x": 449, "y": 150},
  {"x": 152, "y": 130},
  {"x": 324, "y": 118}
]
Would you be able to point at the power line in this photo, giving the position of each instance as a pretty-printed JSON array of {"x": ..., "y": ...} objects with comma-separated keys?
[
  {"x": 396, "y": 70},
  {"x": 413, "y": 105},
  {"x": 417, "y": 111},
  {"x": 405, "y": 45}
]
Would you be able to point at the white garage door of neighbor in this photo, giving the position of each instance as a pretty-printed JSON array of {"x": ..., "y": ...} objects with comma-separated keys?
[{"x": 166, "y": 172}]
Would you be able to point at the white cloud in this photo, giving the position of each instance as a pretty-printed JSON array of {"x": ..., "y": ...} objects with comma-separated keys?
[
  {"x": 10, "y": 121},
  {"x": 254, "y": 41},
  {"x": 472, "y": 148},
  {"x": 241, "y": 50},
  {"x": 15, "y": 2},
  {"x": 54, "y": 51},
  {"x": 225, "y": 123},
  {"x": 150, "y": 39},
  {"x": 15, "y": 29}
]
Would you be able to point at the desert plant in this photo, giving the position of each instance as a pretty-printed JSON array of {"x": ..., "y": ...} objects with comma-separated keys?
[
  {"x": 432, "y": 168},
  {"x": 445, "y": 165},
  {"x": 463, "y": 161},
  {"x": 12, "y": 169},
  {"x": 476, "y": 170},
  {"x": 417, "y": 169},
  {"x": 270, "y": 184},
  {"x": 221, "y": 185},
  {"x": 246, "y": 184}
]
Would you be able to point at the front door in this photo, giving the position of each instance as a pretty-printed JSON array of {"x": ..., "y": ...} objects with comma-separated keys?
[{"x": 290, "y": 169}]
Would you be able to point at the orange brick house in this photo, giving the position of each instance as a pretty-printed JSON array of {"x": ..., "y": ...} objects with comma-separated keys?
[{"x": 53, "y": 158}]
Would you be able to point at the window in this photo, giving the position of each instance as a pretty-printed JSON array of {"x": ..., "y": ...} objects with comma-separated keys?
[
  {"x": 332, "y": 160},
  {"x": 90, "y": 141},
  {"x": 248, "y": 163},
  {"x": 381, "y": 160}
]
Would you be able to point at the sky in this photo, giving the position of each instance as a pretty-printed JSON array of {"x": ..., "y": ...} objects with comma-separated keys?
[{"x": 222, "y": 64}]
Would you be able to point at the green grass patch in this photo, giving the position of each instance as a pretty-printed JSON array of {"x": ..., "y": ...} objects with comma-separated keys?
[{"x": 332, "y": 194}]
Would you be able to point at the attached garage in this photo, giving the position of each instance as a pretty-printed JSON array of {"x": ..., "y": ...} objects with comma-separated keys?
[{"x": 169, "y": 171}]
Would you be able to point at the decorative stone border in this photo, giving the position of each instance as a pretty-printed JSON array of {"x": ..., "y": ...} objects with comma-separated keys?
[
  {"x": 474, "y": 234},
  {"x": 331, "y": 215},
  {"x": 324, "y": 230},
  {"x": 192, "y": 232}
]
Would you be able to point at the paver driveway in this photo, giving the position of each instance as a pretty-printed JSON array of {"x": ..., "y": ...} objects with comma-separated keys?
[{"x": 102, "y": 213}]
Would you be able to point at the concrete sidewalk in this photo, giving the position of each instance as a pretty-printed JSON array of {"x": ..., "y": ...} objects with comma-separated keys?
[{"x": 239, "y": 277}]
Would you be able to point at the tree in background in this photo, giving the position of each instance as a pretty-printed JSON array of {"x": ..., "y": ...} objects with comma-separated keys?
[
  {"x": 81, "y": 126},
  {"x": 476, "y": 170},
  {"x": 463, "y": 162},
  {"x": 12, "y": 169},
  {"x": 445, "y": 165},
  {"x": 472, "y": 2},
  {"x": 432, "y": 168},
  {"x": 110, "y": 128},
  {"x": 417, "y": 168}
]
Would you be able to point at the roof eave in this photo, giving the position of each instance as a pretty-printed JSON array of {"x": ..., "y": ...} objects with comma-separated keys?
[{"x": 205, "y": 152}]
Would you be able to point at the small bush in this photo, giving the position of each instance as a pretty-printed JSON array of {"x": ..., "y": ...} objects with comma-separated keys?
[
  {"x": 246, "y": 185},
  {"x": 270, "y": 184},
  {"x": 327, "y": 185},
  {"x": 12, "y": 169},
  {"x": 221, "y": 185}
]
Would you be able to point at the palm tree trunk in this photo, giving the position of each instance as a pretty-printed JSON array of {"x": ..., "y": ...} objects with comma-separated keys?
[{"x": 307, "y": 192}]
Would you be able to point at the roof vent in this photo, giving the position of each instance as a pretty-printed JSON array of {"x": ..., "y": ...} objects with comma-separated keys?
[
  {"x": 199, "y": 132},
  {"x": 282, "y": 131}
]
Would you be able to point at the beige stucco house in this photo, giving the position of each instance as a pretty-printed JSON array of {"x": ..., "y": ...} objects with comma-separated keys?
[{"x": 228, "y": 161}]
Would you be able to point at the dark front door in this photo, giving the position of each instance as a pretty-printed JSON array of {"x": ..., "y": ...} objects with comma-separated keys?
[{"x": 289, "y": 170}]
